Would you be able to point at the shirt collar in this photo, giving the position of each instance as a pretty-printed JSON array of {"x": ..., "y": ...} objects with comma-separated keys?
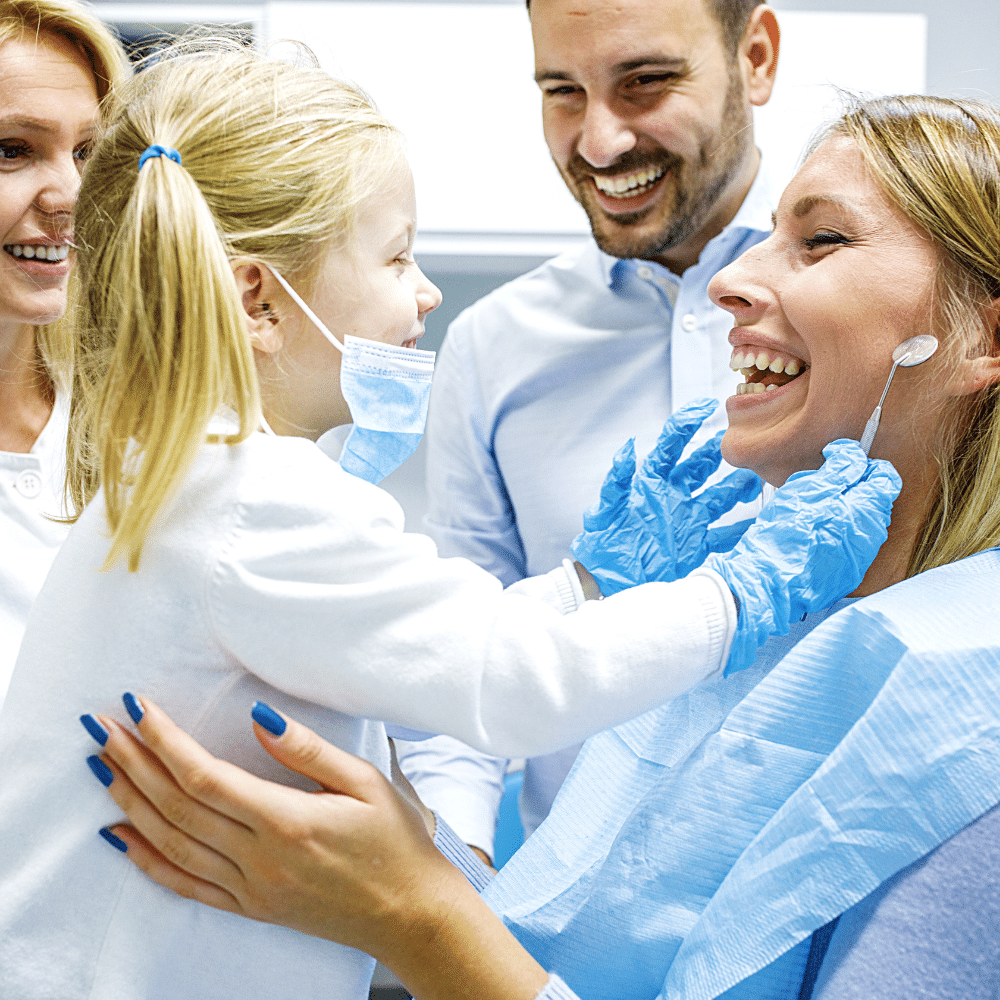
[{"x": 754, "y": 214}]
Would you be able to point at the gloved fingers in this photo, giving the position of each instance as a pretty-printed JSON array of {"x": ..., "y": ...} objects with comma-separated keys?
[
  {"x": 844, "y": 465},
  {"x": 676, "y": 433},
  {"x": 881, "y": 469},
  {"x": 725, "y": 537},
  {"x": 615, "y": 491},
  {"x": 740, "y": 486},
  {"x": 873, "y": 496},
  {"x": 692, "y": 473}
]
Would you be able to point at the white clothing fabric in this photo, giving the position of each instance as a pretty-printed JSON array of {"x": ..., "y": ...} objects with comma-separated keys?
[
  {"x": 274, "y": 575},
  {"x": 31, "y": 494},
  {"x": 537, "y": 386}
]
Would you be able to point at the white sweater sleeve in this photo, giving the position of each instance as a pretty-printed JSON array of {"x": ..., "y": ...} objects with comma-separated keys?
[{"x": 342, "y": 608}]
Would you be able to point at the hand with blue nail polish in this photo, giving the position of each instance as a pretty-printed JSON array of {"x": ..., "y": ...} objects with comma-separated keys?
[{"x": 101, "y": 770}]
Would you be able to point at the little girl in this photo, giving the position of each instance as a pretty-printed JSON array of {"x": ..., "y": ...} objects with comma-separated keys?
[{"x": 212, "y": 565}]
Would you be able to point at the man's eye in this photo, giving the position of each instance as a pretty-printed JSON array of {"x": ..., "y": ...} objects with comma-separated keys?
[
  {"x": 648, "y": 79},
  {"x": 565, "y": 90},
  {"x": 83, "y": 151},
  {"x": 13, "y": 149}
]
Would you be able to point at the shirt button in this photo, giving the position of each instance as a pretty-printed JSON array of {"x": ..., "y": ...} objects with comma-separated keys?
[
  {"x": 645, "y": 273},
  {"x": 29, "y": 484},
  {"x": 690, "y": 322}
]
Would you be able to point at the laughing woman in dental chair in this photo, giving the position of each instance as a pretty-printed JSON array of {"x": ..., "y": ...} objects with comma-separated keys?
[
  {"x": 57, "y": 62},
  {"x": 823, "y": 825}
]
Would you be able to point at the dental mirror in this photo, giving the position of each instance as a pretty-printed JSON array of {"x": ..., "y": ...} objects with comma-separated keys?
[{"x": 914, "y": 351}]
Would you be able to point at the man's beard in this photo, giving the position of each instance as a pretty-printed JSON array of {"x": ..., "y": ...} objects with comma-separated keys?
[{"x": 697, "y": 188}]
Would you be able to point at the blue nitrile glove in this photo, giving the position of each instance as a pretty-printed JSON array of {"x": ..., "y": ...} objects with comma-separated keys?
[
  {"x": 809, "y": 547},
  {"x": 650, "y": 527}
]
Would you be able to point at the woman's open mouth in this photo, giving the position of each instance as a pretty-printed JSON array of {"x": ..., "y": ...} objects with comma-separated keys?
[
  {"x": 42, "y": 252},
  {"x": 764, "y": 370}
]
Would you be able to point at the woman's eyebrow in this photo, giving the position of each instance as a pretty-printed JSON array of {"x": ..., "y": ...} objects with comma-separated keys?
[{"x": 806, "y": 204}]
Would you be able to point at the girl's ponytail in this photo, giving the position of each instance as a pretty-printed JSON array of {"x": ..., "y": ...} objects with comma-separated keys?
[{"x": 275, "y": 159}]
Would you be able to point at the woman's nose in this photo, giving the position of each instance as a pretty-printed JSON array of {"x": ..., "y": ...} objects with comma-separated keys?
[
  {"x": 60, "y": 186},
  {"x": 736, "y": 289},
  {"x": 604, "y": 135}
]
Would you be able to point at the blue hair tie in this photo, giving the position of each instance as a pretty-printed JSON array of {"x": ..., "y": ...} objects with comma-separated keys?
[{"x": 158, "y": 150}]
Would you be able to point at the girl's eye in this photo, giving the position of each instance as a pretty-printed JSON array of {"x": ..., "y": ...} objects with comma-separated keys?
[
  {"x": 13, "y": 149},
  {"x": 825, "y": 239}
]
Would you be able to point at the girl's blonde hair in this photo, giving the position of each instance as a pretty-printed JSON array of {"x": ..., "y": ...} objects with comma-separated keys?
[
  {"x": 938, "y": 161},
  {"x": 276, "y": 158},
  {"x": 72, "y": 22}
]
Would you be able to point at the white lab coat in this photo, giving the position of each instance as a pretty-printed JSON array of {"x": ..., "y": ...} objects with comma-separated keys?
[{"x": 274, "y": 575}]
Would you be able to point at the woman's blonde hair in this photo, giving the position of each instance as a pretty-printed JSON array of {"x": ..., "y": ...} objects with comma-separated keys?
[
  {"x": 72, "y": 22},
  {"x": 938, "y": 161},
  {"x": 276, "y": 157}
]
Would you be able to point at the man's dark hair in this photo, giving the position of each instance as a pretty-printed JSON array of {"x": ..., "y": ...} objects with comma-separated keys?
[{"x": 732, "y": 16}]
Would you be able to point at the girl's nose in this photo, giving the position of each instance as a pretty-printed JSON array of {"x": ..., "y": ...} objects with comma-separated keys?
[{"x": 428, "y": 295}]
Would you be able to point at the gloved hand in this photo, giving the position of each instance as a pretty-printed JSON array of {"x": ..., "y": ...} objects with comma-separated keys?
[
  {"x": 810, "y": 546},
  {"x": 650, "y": 527}
]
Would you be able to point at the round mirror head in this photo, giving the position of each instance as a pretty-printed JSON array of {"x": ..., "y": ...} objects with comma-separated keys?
[{"x": 915, "y": 351}]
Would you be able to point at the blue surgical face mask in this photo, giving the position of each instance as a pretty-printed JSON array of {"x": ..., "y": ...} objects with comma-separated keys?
[{"x": 387, "y": 389}]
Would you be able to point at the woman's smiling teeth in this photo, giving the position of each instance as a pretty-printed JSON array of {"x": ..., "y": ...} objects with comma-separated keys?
[
  {"x": 629, "y": 185},
  {"x": 763, "y": 370},
  {"x": 30, "y": 251}
]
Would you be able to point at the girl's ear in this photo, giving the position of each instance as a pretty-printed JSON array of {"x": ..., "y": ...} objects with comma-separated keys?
[
  {"x": 980, "y": 372},
  {"x": 258, "y": 290}
]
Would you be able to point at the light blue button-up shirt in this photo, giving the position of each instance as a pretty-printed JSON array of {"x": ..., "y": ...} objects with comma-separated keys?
[{"x": 537, "y": 386}]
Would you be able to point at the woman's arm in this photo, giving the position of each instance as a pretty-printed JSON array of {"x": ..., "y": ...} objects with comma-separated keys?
[{"x": 352, "y": 862}]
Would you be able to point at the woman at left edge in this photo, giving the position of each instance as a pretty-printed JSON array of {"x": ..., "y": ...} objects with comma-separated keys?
[{"x": 57, "y": 65}]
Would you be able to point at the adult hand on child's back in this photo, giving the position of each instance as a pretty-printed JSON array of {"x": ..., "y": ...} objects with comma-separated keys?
[{"x": 339, "y": 863}]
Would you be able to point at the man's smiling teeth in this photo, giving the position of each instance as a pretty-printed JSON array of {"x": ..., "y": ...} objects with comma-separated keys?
[
  {"x": 759, "y": 365},
  {"x": 36, "y": 252},
  {"x": 630, "y": 185}
]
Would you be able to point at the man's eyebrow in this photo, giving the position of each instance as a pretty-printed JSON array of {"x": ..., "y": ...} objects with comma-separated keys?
[{"x": 650, "y": 61}]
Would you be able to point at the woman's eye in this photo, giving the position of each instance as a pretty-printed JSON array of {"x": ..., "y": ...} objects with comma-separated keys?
[
  {"x": 824, "y": 239},
  {"x": 13, "y": 149}
]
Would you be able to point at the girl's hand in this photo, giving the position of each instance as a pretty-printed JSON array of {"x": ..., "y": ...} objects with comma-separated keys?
[{"x": 352, "y": 862}]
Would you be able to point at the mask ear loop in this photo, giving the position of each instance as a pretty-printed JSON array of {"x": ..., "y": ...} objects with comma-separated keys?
[
  {"x": 310, "y": 315},
  {"x": 300, "y": 302}
]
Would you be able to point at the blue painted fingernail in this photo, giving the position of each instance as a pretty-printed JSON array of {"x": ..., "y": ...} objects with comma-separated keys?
[
  {"x": 101, "y": 770},
  {"x": 95, "y": 728},
  {"x": 114, "y": 841},
  {"x": 267, "y": 717},
  {"x": 132, "y": 707}
]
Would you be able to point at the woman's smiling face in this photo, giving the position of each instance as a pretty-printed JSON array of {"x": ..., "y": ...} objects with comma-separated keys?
[
  {"x": 819, "y": 308},
  {"x": 48, "y": 106}
]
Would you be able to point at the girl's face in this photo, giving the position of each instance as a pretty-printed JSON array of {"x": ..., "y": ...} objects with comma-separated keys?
[
  {"x": 843, "y": 280},
  {"x": 373, "y": 289},
  {"x": 48, "y": 106}
]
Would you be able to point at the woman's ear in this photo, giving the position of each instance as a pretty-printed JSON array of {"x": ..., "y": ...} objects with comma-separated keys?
[
  {"x": 979, "y": 372},
  {"x": 257, "y": 290}
]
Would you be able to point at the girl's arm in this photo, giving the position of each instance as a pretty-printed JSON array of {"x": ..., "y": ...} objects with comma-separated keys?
[{"x": 352, "y": 862}]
